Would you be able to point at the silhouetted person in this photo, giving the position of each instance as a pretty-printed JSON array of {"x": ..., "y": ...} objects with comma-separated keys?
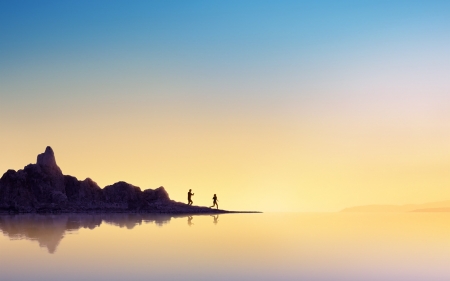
[
  {"x": 216, "y": 218},
  {"x": 190, "y": 194},
  {"x": 215, "y": 202},
  {"x": 190, "y": 220}
]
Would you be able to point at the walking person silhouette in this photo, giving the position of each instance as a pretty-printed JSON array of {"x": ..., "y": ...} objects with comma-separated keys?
[
  {"x": 215, "y": 200},
  {"x": 190, "y": 194}
]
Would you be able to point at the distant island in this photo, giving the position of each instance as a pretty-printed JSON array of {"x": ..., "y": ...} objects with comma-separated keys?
[
  {"x": 441, "y": 206},
  {"x": 42, "y": 188}
]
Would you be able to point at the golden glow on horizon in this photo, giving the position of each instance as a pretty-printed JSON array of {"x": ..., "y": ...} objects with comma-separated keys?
[{"x": 250, "y": 162}]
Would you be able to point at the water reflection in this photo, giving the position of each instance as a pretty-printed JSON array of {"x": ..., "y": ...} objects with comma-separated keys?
[
  {"x": 216, "y": 219},
  {"x": 313, "y": 247},
  {"x": 190, "y": 223},
  {"x": 49, "y": 230}
]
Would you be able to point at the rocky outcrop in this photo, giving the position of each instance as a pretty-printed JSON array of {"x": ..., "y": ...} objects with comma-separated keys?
[
  {"x": 47, "y": 161},
  {"x": 42, "y": 187}
]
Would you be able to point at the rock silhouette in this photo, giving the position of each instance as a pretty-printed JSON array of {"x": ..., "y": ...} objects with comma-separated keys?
[{"x": 42, "y": 188}]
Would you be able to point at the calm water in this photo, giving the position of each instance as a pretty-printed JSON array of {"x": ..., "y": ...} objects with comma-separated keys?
[{"x": 327, "y": 246}]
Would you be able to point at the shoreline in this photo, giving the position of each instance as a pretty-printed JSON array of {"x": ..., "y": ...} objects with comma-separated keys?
[{"x": 212, "y": 212}]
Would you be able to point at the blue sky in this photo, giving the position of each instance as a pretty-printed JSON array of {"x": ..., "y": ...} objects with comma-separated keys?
[
  {"x": 208, "y": 31},
  {"x": 213, "y": 40}
]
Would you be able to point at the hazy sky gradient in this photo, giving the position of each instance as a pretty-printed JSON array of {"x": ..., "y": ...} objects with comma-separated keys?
[{"x": 273, "y": 105}]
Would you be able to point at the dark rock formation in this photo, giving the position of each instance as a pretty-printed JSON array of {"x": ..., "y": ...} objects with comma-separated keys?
[
  {"x": 47, "y": 161},
  {"x": 42, "y": 187}
]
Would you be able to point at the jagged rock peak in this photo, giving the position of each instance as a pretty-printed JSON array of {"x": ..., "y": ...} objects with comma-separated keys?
[{"x": 47, "y": 159}]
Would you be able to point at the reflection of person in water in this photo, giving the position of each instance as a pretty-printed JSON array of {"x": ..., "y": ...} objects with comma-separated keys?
[
  {"x": 216, "y": 219},
  {"x": 215, "y": 202},
  {"x": 190, "y": 194},
  {"x": 190, "y": 220}
]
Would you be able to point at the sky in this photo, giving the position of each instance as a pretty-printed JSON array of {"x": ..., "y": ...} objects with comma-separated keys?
[{"x": 291, "y": 106}]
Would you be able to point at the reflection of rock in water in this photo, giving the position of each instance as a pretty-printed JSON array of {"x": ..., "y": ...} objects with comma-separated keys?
[
  {"x": 49, "y": 230},
  {"x": 131, "y": 220}
]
